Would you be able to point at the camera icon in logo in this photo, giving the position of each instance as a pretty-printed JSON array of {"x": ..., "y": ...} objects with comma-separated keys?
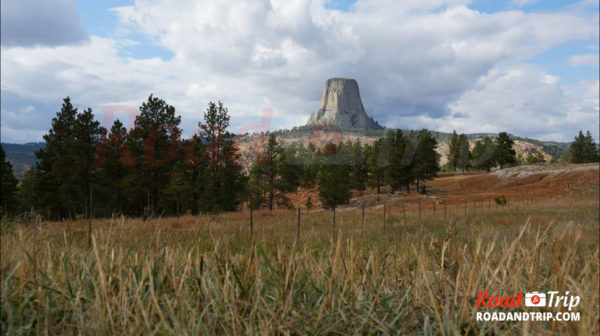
[{"x": 535, "y": 299}]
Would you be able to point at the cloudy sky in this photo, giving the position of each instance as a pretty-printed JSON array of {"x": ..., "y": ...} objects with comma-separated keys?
[{"x": 525, "y": 66}]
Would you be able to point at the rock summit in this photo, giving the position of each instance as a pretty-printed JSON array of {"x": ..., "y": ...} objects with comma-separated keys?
[{"x": 342, "y": 107}]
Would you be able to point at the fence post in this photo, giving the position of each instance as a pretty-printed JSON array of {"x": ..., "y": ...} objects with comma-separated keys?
[
  {"x": 384, "y": 209},
  {"x": 298, "y": 227},
  {"x": 334, "y": 223},
  {"x": 90, "y": 219},
  {"x": 363, "y": 219},
  {"x": 404, "y": 212}
]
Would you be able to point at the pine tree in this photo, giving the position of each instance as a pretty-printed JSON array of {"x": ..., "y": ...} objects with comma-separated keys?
[
  {"x": 8, "y": 196},
  {"x": 223, "y": 183},
  {"x": 583, "y": 149},
  {"x": 504, "y": 153},
  {"x": 590, "y": 148},
  {"x": 195, "y": 165},
  {"x": 359, "y": 170},
  {"x": 308, "y": 165},
  {"x": 334, "y": 179},
  {"x": 454, "y": 149},
  {"x": 87, "y": 133},
  {"x": 483, "y": 154},
  {"x": 464, "y": 155},
  {"x": 54, "y": 181},
  {"x": 376, "y": 162},
  {"x": 63, "y": 178},
  {"x": 398, "y": 171},
  {"x": 426, "y": 162},
  {"x": 114, "y": 169},
  {"x": 28, "y": 196},
  {"x": 539, "y": 158},
  {"x": 153, "y": 143},
  {"x": 577, "y": 149},
  {"x": 271, "y": 175}
]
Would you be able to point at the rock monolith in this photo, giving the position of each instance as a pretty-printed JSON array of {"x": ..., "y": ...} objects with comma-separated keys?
[{"x": 342, "y": 107}]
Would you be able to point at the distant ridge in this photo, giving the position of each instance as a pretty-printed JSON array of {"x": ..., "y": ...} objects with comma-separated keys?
[{"x": 22, "y": 156}]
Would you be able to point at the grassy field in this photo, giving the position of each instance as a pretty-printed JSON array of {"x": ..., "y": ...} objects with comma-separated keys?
[{"x": 207, "y": 275}]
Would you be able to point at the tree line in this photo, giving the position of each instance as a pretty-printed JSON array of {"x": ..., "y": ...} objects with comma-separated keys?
[
  {"x": 336, "y": 170},
  {"x": 88, "y": 171},
  {"x": 487, "y": 153}
]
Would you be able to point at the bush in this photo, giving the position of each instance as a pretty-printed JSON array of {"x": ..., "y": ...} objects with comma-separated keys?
[
  {"x": 501, "y": 200},
  {"x": 309, "y": 203},
  {"x": 30, "y": 218}
]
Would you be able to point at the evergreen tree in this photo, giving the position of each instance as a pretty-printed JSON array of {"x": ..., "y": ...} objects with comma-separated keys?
[
  {"x": 398, "y": 171},
  {"x": 426, "y": 162},
  {"x": 87, "y": 133},
  {"x": 223, "y": 182},
  {"x": 8, "y": 196},
  {"x": 28, "y": 191},
  {"x": 359, "y": 170},
  {"x": 63, "y": 178},
  {"x": 178, "y": 191},
  {"x": 539, "y": 158},
  {"x": 533, "y": 159},
  {"x": 114, "y": 170},
  {"x": 55, "y": 179},
  {"x": 583, "y": 149},
  {"x": 376, "y": 162},
  {"x": 454, "y": 149},
  {"x": 504, "y": 153},
  {"x": 272, "y": 175},
  {"x": 308, "y": 165},
  {"x": 483, "y": 154},
  {"x": 590, "y": 148},
  {"x": 334, "y": 179},
  {"x": 195, "y": 166},
  {"x": 289, "y": 168},
  {"x": 464, "y": 155},
  {"x": 153, "y": 143}
]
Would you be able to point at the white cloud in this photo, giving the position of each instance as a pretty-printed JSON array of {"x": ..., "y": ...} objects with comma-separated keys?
[
  {"x": 585, "y": 60},
  {"x": 526, "y": 101},
  {"x": 416, "y": 61}
]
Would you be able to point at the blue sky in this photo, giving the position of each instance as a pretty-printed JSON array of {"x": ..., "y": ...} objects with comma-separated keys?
[{"x": 528, "y": 67}]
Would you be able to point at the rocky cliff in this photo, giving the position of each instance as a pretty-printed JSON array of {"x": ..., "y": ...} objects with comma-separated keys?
[{"x": 341, "y": 106}]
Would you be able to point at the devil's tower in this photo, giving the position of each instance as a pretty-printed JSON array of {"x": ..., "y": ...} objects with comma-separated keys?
[{"x": 341, "y": 106}]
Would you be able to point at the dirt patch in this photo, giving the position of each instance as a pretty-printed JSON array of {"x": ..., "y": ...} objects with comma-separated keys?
[{"x": 535, "y": 181}]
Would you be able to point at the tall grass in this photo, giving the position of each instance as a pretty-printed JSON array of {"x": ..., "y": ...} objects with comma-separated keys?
[{"x": 205, "y": 275}]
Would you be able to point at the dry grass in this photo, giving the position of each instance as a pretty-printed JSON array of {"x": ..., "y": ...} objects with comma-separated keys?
[{"x": 206, "y": 275}]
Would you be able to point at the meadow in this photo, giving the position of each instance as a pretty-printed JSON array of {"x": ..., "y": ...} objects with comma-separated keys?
[{"x": 417, "y": 274}]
